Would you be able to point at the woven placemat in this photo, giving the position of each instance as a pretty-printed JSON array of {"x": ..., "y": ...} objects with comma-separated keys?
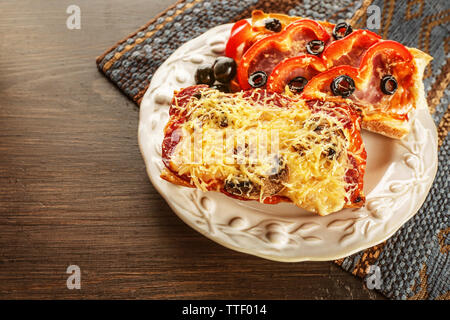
[{"x": 414, "y": 263}]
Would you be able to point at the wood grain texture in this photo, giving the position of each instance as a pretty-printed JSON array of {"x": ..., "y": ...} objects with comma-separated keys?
[{"x": 73, "y": 186}]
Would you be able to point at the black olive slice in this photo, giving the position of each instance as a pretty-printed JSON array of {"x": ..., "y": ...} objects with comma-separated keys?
[
  {"x": 388, "y": 84},
  {"x": 257, "y": 79},
  {"x": 273, "y": 25},
  {"x": 342, "y": 30},
  {"x": 315, "y": 47},
  {"x": 357, "y": 199},
  {"x": 297, "y": 84},
  {"x": 204, "y": 75},
  {"x": 343, "y": 86}
]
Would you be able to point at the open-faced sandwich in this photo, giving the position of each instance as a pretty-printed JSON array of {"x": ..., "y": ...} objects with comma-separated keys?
[
  {"x": 259, "y": 145},
  {"x": 284, "y": 122},
  {"x": 322, "y": 60}
]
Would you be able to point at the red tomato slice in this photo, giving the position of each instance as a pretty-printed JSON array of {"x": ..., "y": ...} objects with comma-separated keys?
[
  {"x": 265, "y": 54},
  {"x": 349, "y": 50},
  {"x": 259, "y": 17},
  {"x": 306, "y": 66},
  {"x": 382, "y": 59},
  {"x": 319, "y": 87},
  {"x": 244, "y": 34},
  {"x": 392, "y": 48},
  {"x": 241, "y": 33}
]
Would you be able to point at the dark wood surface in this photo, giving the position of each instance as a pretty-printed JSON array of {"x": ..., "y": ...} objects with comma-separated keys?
[{"x": 73, "y": 186}]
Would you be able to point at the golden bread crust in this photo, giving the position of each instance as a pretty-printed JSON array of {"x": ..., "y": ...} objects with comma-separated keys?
[{"x": 396, "y": 131}]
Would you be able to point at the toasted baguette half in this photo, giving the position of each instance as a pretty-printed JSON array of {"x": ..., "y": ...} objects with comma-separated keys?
[{"x": 263, "y": 146}]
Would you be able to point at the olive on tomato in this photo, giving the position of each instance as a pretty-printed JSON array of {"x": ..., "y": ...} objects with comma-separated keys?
[
  {"x": 340, "y": 81},
  {"x": 295, "y": 73},
  {"x": 204, "y": 75},
  {"x": 224, "y": 69},
  {"x": 388, "y": 58},
  {"x": 266, "y": 53},
  {"x": 315, "y": 47},
  {"x": 257, "y": 79},
  {"x": 297, "y": 84},
  {"x": 244, "y": 33},
  {"x": 343, "y": 86},
  {"x": 388, "y": 84},
  {"x": 341, "y": 30}
]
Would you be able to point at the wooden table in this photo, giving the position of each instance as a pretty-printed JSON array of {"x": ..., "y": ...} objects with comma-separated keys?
[{"x": 73, "y": 186}]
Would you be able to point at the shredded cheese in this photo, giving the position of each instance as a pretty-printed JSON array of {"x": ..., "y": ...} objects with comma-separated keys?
[{"x": 258, "y": 147}]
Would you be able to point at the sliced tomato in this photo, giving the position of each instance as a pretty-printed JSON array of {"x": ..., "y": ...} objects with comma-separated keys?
[
  {"x": 259, "y": 18},
  {"x": 265, "y": 54},
  {"x": 241, "y": 34},
  {"x": 349, "y": 50},
  {"x": 319, "y": 87},
  {"x": 306, "y": 66},
  {"x": 382, "y": 59},
  {"x": 395, "y": 50},
  {"x": 244, "y": 33}
]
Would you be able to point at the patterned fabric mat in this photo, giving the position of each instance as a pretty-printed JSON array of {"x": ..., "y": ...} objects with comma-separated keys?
[{"x": 414, "y": 263}]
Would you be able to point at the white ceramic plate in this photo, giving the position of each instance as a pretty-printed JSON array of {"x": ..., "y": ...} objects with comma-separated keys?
[{"x": 398, "y": 177}]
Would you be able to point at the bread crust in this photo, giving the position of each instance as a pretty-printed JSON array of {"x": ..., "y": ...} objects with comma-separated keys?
[{"x": 392, "y": 128}]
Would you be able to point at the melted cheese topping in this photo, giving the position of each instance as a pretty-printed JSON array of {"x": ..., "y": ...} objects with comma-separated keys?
[{"x": 254, "y": 148}]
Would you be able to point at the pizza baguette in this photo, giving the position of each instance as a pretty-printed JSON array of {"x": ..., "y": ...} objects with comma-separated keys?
[
  {"x": 320, "y": 60},
  {"x": 387, "y": 87},
  {"x": 263, "y": 146}
]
